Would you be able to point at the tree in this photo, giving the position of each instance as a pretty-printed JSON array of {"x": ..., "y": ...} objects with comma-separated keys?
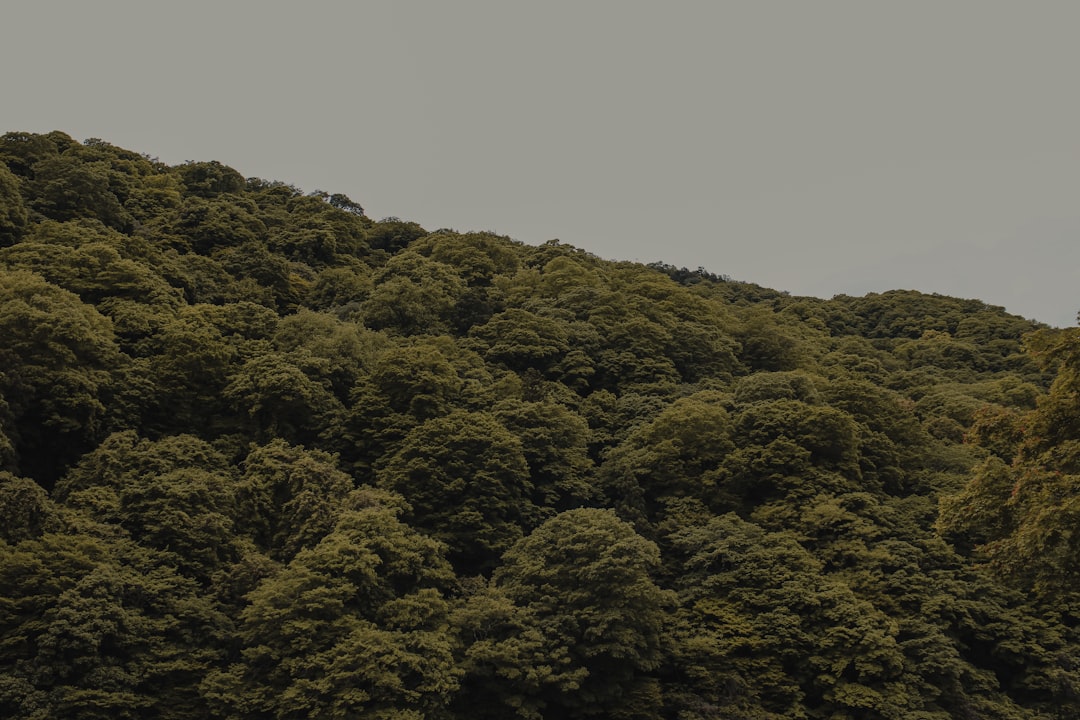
[
  {"x": 339, "y": 290},
  {"x": 409, "y": 383},
  {"x": 506, "y": 662},
  {"x": 93, "y": 262},
  {"x": 175, "y": 495},
  {"x": 763, "y": 634},
  {"x": 13, "y": 216},
  {"x": 478, "y": 257},
  {"x": 26, "y": 511},
  {"x": 96, "y": 627},
  {"x": 467, "y": 483},
  {"x": 280, "y": 399},
  {"x": 583, "y": 580},
  {"x": 413, "y": 295},
  {"x": 789, "y": 449},
  {"x": 554, "y": 441},
  {"x": 1021, "y": 517},
  {"x": 211, "y": 224},
  {"x": 343, "y": 202},
  {"x": 190, "y": 361},
  {"x": 57, "y": 358},
  {"x": 679, "y": 453},
  {"x": 352, "y": 627},
  {"x": 22, "y": 150},
  {"x": 392, "y": 234},
  {"x": 65, "y": 187},
  {"x": 289, "y": 498},
  {"x": 210, "y": 179},
  {"x": 767, "y": 345},
  {"x": 521, "y": 340},
  {"x": 344, "y": 349}
]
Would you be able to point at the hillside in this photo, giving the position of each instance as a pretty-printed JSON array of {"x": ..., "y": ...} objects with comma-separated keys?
[{"x": 263, "y": 456}]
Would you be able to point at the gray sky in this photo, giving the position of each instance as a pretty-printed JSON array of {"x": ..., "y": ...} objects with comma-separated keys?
[{"x": 817, "y": 147}]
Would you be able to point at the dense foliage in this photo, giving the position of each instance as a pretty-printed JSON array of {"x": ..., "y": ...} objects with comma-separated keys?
[{"x": 264, "y": 457}]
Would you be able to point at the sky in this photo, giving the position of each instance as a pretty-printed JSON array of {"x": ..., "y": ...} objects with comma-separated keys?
[{"x": 825, "y": 147}]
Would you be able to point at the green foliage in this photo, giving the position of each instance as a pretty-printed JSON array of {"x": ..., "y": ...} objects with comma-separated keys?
[
  {"x": 188, "y": 362},
  {"x": 789, "y": 450},
  {"x": 174, "y": 495},
  {"x": 95, "y": 628},
  {"x": 413, "y": 295},
  {"x": 261, "y": 456},
  {"x": 210, "y": 179},
  {"x": 21, "y": 150},
  {"x": 1020, "y": 517},
  {"x": 13, "y": 216},
  {"x": 338, "y": 352},
  {"x": 477, "y": 257},
  {"x": 26, "y": 511},
  {"x": 354, "y": 626},
  {"x": 554, "y": 444},
  {"x": 289, "y": 498},
  {"x": 765, "y": 346},
  {"x": 407, "y": 385},
  {"x": 120, "y": 278},
  {"x": 764, "y": 634},
  {"x": 680, "y": 453},
  {"x": 339, "y": 289},
  {"x": 467, "y": 482},
  {"x": 522, "y": 340},
  {"x": 56, "y": 358},
  {"x": 591, "y": 612},
  {"x": 280, "y": 399},
  {"x": 392, "y": 235}
]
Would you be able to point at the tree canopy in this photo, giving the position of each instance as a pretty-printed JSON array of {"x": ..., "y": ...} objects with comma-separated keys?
[{"x": 263, "y": 456}]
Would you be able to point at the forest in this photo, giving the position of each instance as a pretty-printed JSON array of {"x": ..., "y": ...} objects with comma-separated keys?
[{"x": 262, "y": 456}]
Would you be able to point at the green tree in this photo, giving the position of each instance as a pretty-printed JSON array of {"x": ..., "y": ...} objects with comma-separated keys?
[
  {"x": 679, "y": 453},
  {"x": 280, "y": 399},
  {"x": 175, "y": 495},
  {"x": 190, "y": 361},
  {"x": 208, "y": 225},
  {"x": 767, "y": 345},
  {"x": 467, "y": 483},
  {"x": 129, "y": 291},
  {"x": 289, "y": 498},
  {"x": 413, "y": 295},
  {"x": 353, "y": 627},
  {"x": 345, "y": 349},
  {"x": 763, "y": 634},
  {"x": 26, "y": 511},
  {"x": 506, "y": 662},
  {"x": 13, "y": 216},
  {"x": 65, "y": 187},
  {"x": 392, "y": 234},
  {"x": 1021, "y": 517},
  {"x": 786, "y": 449},
  {"x": 210, "y": 179},
  {"x": 584, "y": 582},
  {"x": 57, "y": 358},
  {"x": 22, "y": 150},
  {"x": 522, "y": 340},
  {"x": 339, "y": 290},
  {"x": 96, "y": 628},
  {"x": 554, "y": 441},
  {"x": 408, "y": 384},
  {"x": 478, "y": 257}
]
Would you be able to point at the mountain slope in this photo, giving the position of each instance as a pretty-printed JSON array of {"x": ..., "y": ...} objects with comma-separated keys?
[{"x": 266, "y": 457}]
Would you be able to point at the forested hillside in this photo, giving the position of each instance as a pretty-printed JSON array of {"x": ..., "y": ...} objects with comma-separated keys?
[{"x": 262, "y": 456}]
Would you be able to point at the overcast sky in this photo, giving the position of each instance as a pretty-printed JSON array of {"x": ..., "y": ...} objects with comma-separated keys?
[{"x": 816, "y": 147}]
